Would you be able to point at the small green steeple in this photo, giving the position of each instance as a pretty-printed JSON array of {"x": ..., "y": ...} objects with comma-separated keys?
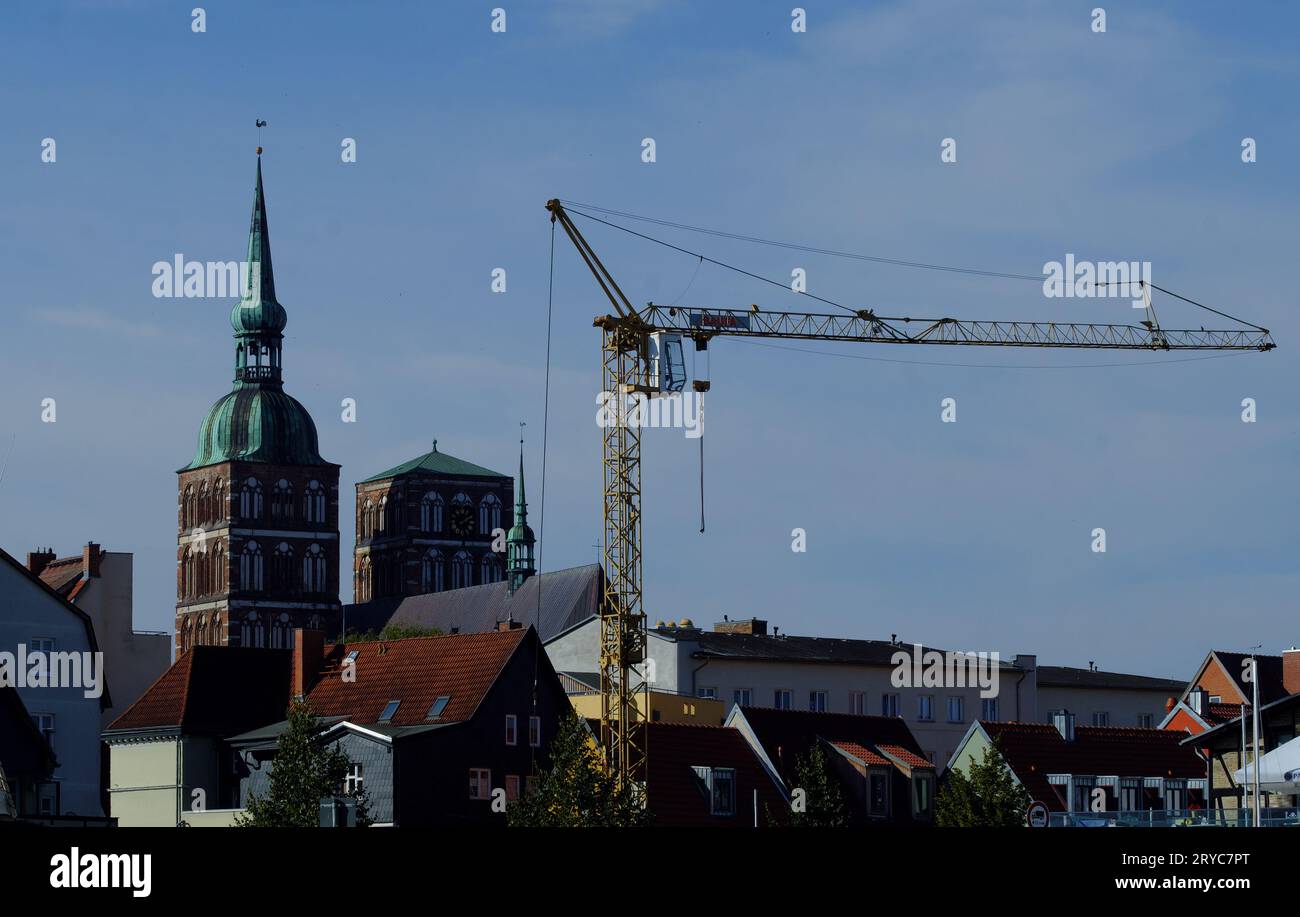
[{"x": 520, "y": 541}]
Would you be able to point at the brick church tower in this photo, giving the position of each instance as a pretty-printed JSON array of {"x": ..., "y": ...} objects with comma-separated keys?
[{"x": 258, "y": 530}]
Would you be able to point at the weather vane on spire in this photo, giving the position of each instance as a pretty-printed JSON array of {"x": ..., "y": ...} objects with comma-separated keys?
[{"x": 260, "y": 124}]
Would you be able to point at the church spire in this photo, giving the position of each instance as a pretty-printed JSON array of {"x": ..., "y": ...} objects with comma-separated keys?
[
  {"x": 258, "y": 318},
  {"x": 520, "y": 542}
]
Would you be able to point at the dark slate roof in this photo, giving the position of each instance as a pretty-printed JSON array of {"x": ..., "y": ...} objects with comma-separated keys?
[
  {"x": 677, "y": 796},
  {"x": 1034, "y": 750},
  {"x": 1067, "y": 677},
  {"x": 568, "y": 598},
  {"x": 436, "y": 462},
  {"x": 790, "y": 734},
  {"x": 221, "y": 690},
  {"x": 784, "y": 648}
]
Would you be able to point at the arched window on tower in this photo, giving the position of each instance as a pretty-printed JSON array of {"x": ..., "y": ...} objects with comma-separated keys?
[
  {"x": 462, "y": 570},
  {"x": 250, "y": 568},
  {"x": 218, "y": 561},
  {"x": 313, "y": 569},
  {"x": 367, "y": 581},
  {"x": 488, "y": 569},
  {"x": 251, "y": 631},
  {"x": 282, "y": 578},
  {"x": 367, "y": 530},
  {"x": 218, "y": 513},
  {"x": 282, "y": 501},
  {"x": 187, "y": 497},
  {"x": 432, "y": 578},
  {"x": 431, "y": 513},
  {"x": 314, "y": 502},
  {"x": 187, "y": 574},
  {"x": 382, "y": 515},
  {"x": 250, "y": 499},
  {"x": 201, "y": 506},
  {"x": 489, "y": 514},
  {"x": 280, "y": 632}
]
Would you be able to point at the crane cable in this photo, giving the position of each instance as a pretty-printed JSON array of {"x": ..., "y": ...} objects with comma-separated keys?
[{"x": 898, "y": 262}]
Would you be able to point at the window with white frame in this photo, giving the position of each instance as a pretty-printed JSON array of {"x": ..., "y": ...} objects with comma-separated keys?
[
  {"x": 783, "y": 699},
  {"x": 889, "y": 705},
  {"x": 925, "y": 707},
  {"x": 817, "y": 701},
  {"x": 512, "y": 729},
  {"x": 858, "y": 703},
  {"x": 719, "y": 787},
  {"x": 707, "y": 693},
  {"x": 512, "y": 787},
  {"x": 1101, "y": 719},
  {"x": 989, "y": 709},
  {"x": 354, "y": 780},
  {"x": 743, "y": 696},
  {"x": 956, "y": 708},
  {"x": 535, "y": 731},
  {"x": 480, "y": 783},
  {"x": 1145, "y": 721}
]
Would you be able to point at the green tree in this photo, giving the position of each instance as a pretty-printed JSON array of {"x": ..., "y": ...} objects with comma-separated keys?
[
  {"x": 985, "y": 796},
  {"x": 306, "y": 770},
  {"x": 823, "y": 800},
  {"x": 576, "y": 791}
]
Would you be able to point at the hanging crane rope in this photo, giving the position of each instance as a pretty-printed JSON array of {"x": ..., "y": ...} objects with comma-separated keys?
[{"x": 642, "y": 357}]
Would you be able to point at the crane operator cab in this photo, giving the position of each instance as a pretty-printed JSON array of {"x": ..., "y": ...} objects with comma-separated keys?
[{"x": 667, "y": 362}]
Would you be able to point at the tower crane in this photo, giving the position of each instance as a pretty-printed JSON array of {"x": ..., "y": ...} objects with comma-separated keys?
[{"x": 641, "y": 354}]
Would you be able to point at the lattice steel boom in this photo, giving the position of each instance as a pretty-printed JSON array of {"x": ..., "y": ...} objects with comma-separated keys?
[{"x": 626, "y": 368}]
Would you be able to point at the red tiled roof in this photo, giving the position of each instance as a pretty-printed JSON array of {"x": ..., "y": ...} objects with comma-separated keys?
[
  {"x": 1034, "y": 750},
  {"x": 61, "y": 574},
  {"x": 908, "y": 757},
  {"x": 676, "y": 797},
  {"x": 416, "y": 671},
  {"x": 218, "y": 689},
  {"x": 863, "y": 754},
  {"x": 1217, "y": 714}
]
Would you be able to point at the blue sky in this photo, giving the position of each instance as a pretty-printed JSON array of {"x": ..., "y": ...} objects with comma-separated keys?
[{"x": 973, "y": 535}]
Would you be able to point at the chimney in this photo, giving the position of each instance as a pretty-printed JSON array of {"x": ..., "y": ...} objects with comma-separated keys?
[
  {"x": 1197, "y": 699},
  {"x": 90, "y": 560},
  {"x": 1291, "y": 671},
  {"x": 39, "y": 560},
  {"x": 509, "y": 624},
  {"x": 308, "y": 654},
  {"x": 754, "y": 626},
  {"x": 1063, "y": 720}
]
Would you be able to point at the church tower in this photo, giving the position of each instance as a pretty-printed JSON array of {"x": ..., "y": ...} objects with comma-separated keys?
[
  {"x": 520, "y": 541},
  {"x": 258, "y": 535}
]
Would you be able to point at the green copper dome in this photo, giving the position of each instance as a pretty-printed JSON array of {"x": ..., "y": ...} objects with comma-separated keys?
[
  {"x": 257, "y": 424},
  {"x": 257, "y": 421}
]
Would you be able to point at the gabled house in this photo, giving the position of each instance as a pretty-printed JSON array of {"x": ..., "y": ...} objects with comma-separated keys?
[
  {"x": 439, "y": 730},
  {"x": 168, "y": 752},
  {"x": 709, "y": 776},
  {"x": 1224, "y": 677},
  {"x": 41, "y": 631},
  {"x": 1095, "y": 774},
  {"x": 100, "y": 583},
  {"x": 885, "y": 776},
  {"x": 1228, "y": 745}
]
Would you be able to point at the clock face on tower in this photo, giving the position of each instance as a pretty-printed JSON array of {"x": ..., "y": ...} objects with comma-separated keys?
[{"x": 462, "y": 521}]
